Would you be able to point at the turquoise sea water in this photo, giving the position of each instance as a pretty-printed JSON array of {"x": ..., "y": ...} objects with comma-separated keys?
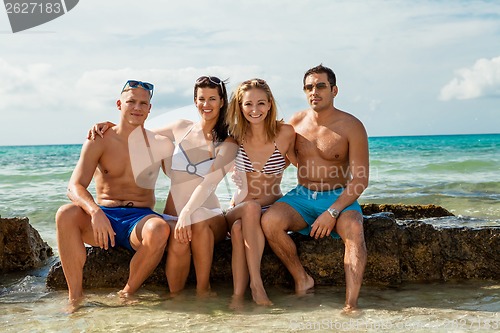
[{"x": 459, "y": 172}]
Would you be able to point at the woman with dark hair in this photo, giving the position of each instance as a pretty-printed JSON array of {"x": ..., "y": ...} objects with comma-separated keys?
[{"x": 204, "y": 152}]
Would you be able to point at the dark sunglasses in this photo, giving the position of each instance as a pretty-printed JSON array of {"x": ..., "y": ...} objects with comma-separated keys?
[
  {"x": 318, "y": 86},
  {"x": 258, "y": 81},
  {"x": 144, "y": 85}
]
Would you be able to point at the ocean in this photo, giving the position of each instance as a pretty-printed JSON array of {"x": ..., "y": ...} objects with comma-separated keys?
[{"x": 459, "y": 172}]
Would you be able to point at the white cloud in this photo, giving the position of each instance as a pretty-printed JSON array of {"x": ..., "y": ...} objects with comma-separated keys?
[
  {"x": 389, "y": 56},
  {"x": 39, "y": 86},
  {"x": 32, "y": 85},
  {"x": 482, "y": 80}
]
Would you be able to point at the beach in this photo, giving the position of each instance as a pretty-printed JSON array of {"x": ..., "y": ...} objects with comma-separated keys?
[{"x": 458, "y": 172}]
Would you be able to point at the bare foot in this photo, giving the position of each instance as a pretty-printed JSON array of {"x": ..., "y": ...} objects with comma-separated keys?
[
  {"x": 179, "y": 295},
  {"x": 259, "y": 296},
  {"x": 237, "y": 303},
  {"x": 126, "y": 298},
  {"x": 73, "y": 305},
  {"x": 205, "y": 293},
  {"x": 351, "y": 311},
  {"x": 301, "y": 287}
]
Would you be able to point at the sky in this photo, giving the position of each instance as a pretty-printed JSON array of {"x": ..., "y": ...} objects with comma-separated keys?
[{"x": 403, "y": 67}]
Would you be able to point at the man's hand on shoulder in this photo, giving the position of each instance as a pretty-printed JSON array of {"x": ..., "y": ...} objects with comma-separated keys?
[{"x": 99, "y": 129}]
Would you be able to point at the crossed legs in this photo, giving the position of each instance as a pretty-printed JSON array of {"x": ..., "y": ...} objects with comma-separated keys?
[{"x": 248, "y": 244}]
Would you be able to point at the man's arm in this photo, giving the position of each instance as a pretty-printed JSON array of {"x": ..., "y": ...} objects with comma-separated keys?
[
  {"x": 168, "y": 130},
  {"x": 359, "y": 169},
  {"x": 148, "y": 152},
  {"x": 358, "y": 165},
  {"x": 80, "y": 196}
]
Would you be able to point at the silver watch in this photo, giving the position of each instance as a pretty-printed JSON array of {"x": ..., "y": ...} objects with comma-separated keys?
[{"x": 333, "y": 212}]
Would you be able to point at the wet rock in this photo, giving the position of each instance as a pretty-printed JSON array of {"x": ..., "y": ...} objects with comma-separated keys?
[
  {"x": 398, "y": 251},
  {"x": 406, "y": 211},
  {"x": 105, "y": 268},
  {"x": 21, "y": 247}
]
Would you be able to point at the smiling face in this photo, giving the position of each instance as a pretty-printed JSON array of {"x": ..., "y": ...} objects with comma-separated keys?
[
  {"x": 208, "y": 103},
  {"x": 255, "y": 105},
  {"x": 134, "y": 106}
]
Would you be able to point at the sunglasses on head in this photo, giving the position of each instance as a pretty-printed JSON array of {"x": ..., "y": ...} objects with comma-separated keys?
[
  {"x": 318, "y": 86},
  {"x": 144, "y": 85},
  {"x": 258, "y": 81},
  {"x": 213, "y": 79}
]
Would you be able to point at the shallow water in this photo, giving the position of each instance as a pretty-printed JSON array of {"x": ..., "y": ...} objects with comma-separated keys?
[
  {"x": 460, "y": 173},
  {"x": 432, "y": 307}
]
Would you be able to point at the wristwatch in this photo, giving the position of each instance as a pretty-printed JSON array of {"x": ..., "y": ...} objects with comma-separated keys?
[{"x": 333, "y": 212}]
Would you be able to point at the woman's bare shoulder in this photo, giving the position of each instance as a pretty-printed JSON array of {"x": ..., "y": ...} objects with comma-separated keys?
[{"x": 286, "y": 131}]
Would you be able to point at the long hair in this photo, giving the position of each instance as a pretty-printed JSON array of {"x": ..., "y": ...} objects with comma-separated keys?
[
  {"x": 237, "y": 122},
  {"x": 220, "y": 131}
]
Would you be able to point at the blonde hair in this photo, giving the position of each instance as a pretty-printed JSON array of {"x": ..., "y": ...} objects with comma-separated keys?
[{"x": 237, "y": 122}]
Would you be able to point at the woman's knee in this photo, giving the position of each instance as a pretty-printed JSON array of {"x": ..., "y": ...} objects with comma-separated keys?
[
  {"x": 236, "y": 232},
  {"x": 251, "y": 209},
  {"x": 177, "y": 248},
  {"x": 200, "y": 228}
]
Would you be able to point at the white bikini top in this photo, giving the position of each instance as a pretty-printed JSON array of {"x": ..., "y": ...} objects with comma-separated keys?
[{"x": 181, "y": 162}]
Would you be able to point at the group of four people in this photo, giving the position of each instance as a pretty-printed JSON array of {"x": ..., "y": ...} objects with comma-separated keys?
[{"x": 328, "y": 146}]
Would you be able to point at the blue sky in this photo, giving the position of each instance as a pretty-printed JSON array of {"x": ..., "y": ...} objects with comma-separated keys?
[{"x": 403, "y": 67}]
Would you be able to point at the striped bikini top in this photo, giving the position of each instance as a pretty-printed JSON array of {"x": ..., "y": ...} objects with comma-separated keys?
[{"x": 275, "y": 164}]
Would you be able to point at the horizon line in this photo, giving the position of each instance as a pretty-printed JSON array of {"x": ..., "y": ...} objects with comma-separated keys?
[{"x": 369, "y": 137}]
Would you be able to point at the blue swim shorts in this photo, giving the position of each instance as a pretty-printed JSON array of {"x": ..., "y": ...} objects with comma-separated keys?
[
  {"x": 311, "y": 204},
  {"x": 123, "y": 220}
]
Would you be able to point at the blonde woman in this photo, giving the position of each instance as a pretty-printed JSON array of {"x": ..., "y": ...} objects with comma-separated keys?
[{"x": 266, "y": 147}]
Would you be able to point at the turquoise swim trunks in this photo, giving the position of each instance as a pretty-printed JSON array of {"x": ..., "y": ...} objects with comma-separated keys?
[
  {"x": 311, "y": 204},
  {"x": 123, "y": 220}
]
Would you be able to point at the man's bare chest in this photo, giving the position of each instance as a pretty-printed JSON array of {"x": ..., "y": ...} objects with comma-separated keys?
[{"x": 323, "y": 143}]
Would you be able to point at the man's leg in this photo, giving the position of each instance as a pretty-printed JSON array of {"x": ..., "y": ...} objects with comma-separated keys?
[
  {"x": 73, "y": 229},
  {"x": 276, "y": 222},
  {"x": 205, "y": 235},
  {"x": 148, "y": 238},
  {"x": 350, "y": 228}
]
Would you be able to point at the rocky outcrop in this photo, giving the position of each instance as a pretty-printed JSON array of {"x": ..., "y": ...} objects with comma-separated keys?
[
  {"x": 21, "y": 247},
  {"x": 398, "y": 251},
  {"x": 406, "y": 211}
]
